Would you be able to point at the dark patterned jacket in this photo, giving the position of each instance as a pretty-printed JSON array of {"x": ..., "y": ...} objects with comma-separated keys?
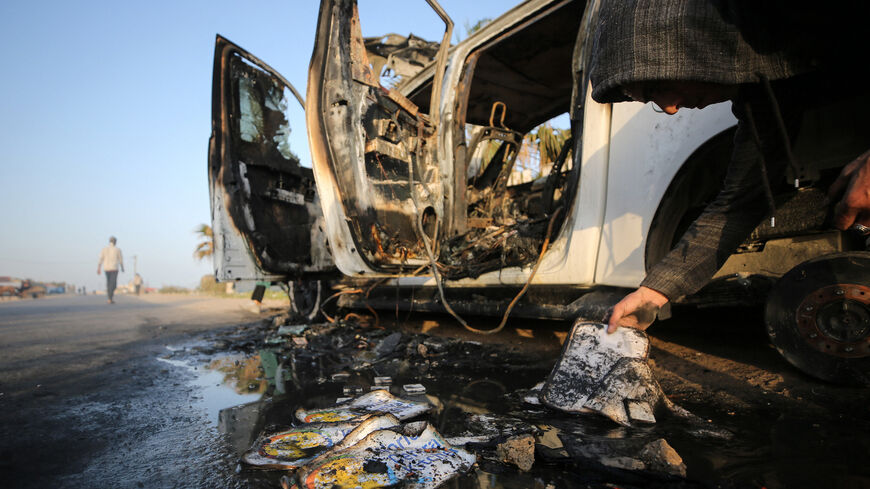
[{"x": 730, "y": 42}]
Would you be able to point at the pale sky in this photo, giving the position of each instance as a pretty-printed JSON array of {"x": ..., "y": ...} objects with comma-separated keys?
[{"x": 105, "y": 118}]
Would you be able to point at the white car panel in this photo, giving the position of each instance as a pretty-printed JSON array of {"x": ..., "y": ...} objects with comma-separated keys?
[{"x": 646, "y": 151}]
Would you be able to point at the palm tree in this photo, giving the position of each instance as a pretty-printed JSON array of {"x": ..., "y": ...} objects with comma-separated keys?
[
  {"x": 541, "y": 147},
  {"x": 471, "y": 28},
  {"x": 205, "y": 249},
  {"x": 549, "y": 141}
]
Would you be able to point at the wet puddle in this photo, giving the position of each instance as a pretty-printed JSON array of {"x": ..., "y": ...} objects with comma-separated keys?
[
  {"x": 258, "y": 390},
  {"x": 228, "y": 380}
]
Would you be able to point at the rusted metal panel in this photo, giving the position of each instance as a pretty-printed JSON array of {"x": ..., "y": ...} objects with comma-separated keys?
[
  {"x": 360, "y": 66},
  {"x": 380, "y": 146},
  {"x": 403, "y": 102}
]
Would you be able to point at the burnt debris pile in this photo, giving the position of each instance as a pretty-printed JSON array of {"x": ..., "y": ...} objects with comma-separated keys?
[
  {"x": 351, "y": 404},
  {"x": 482, "y": 250}
]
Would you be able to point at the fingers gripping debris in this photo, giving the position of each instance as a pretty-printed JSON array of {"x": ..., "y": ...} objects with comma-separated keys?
[{"x": 605, "y": 373}]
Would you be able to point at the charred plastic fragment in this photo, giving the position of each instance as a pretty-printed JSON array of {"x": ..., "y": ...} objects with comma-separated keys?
[
  {"x": 606, "y": 373},
  {"x": 377, "y": 401},
  {"x": 292, "y": 448},
  {"x": 414, "y": 455}
]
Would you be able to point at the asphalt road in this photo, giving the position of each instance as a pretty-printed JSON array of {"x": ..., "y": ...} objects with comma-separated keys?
[
  {"x": 45, "y": 342},
  {"x": 82, "y": 403}
]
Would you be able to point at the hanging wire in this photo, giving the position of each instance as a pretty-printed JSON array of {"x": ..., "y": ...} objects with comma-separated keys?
[
  {"x": 433, "y": 264},
  {"x": 525, "y": 288},
  {"x": 333, "y": 296},
  {"x": 780, "y": 123},
  {"x": 765, "y": 181}
]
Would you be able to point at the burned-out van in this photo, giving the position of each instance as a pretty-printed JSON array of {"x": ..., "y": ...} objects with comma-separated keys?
[{"x": 490, "y": 182}]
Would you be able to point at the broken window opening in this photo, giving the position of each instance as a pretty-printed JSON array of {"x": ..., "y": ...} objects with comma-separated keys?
[
  {"x": 276, "y": 206},
  {"x": 405, "y": 47},
  {"x": 540, "y": 151},
  {"x": 395, "y": 58},
  {"x": 252, "y": 113}
]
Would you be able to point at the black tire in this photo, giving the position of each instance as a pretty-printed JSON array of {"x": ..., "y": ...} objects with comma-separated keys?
[
  {"x": 305, "y": 298},
  {"x": 818, "y": 317}
]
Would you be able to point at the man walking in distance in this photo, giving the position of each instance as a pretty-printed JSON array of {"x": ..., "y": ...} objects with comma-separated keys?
[{"x": 110, "y": 260}]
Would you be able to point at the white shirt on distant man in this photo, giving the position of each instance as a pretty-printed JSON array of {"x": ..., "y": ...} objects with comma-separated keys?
[{"x": 110, "y": 260}]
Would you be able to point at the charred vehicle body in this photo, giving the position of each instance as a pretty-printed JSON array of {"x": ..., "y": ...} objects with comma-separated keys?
[
  {"x": 445, "y": 191},
  {"x": 266, "y": 218}
]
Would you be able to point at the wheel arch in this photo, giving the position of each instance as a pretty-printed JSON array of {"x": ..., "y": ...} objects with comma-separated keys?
[{"x": 689, "y": 191}]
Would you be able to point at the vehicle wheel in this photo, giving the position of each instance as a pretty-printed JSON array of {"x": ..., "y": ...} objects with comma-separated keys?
[
  {"x": 818, "y": 317},
  {"x": 305, "y": 298}
]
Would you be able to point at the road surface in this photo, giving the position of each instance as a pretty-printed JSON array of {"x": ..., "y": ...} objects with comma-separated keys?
[
  {"x": 90, "y": 397},
  {"x": 83, "y": 402}
]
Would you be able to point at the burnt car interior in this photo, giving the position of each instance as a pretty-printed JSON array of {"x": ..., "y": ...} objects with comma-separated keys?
[
  {"x": 509, "y": 87},
  {"x": 497, "y": 210},
  {"x": 267, "y": 188}
]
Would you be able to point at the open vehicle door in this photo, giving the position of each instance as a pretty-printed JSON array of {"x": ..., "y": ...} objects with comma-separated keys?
[
  {"x": 266, "y": 215},
  {"x": 374, "y": 153},
  {"x": 401, "y": 187}
]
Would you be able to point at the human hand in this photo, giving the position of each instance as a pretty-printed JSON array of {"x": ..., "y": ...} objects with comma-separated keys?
[
  {"x": 98, "y": 270},
  {"x": 853, "y": 185},
  {"x": 636, "y": 310}
]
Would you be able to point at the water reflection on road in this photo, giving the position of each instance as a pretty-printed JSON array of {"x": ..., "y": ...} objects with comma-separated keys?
[{"x": 228, "y": 380}]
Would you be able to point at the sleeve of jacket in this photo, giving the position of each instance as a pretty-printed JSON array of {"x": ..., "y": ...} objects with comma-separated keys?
[{"x": 738, "y": 208}]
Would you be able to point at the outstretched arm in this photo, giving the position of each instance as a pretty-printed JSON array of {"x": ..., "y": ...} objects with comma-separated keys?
[{"x": 719, "y": 230}]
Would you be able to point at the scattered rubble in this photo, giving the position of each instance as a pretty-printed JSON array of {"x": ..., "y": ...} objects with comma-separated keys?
[
  {"x": 489, "y": 429},
  {"x": 659, "y": 456},
  {"x": 295, "y": 329},
  {"x": 519, "y": 451},
  {"x": 359, "y": 392},
  {"x": 655, "y": 457},
  {"x": 414, "y": 389}
]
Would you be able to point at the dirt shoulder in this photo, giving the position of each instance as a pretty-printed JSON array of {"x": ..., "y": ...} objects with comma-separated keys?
[{"x": 717, "y": 361}]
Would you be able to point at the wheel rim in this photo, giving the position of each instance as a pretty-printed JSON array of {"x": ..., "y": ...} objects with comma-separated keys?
[
  {"x": 836, "y": 320},
  {"x": 818, "y": 317}
]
